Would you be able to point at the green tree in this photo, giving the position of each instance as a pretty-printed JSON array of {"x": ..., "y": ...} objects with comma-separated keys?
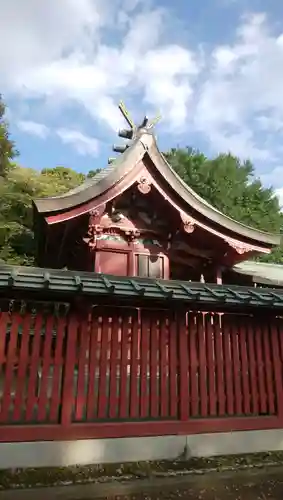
[
  {"x": 7, "y": 147},
  {"x": 17, "y": 190},
  {"x": 230, "y": 186}
]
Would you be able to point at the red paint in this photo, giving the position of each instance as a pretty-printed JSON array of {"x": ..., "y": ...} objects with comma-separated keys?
[
  {"x": 154, "y": 393},
  {"x": 32, "y": 398},
  {"x": 163, "y": 377},
  {"x": 219, "y": 357},
  {"x": 112, "y": 262},
  {"x": 124, "y": 378},
  {"x": 210, "y": 343},
  {"x": 238, "y": 367},
  {"x": 114, "y": 365},
  {"x": 58, "y": 367},
  {"x": 46, "y": 361},
  {"x": 93, "y": 368},
  {"x": 193, "y": 365},
  {"x": 83, "y": 348},
  {"x": 197, "y": 364},
  {"x": 275, "y": 331},
  {"x": 202, "y": 364},
  {"x": 173, "y": 372},
  {"x": 269, "y": 373},
  {"x": 184, "y": 368},
  {"x": 31, "y": 433},
  {"x": 260, "y": 367},
  {"x": 228, "y": 367},
  {"x": 145, "y": 328},
  {"x": 68, "y": 392},
  {"x": 22, "y": 368},
  {"x": 252, "y": 369},
  {"x": 103, "y": 366},
  {"x": 245, "y": 369},
  {"x": 4, "y": 319},
  {"x": 134, "y": 365},
  {"x": 16, "y": 321}
]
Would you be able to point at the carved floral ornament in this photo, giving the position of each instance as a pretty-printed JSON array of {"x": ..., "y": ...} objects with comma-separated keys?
[{"x": 239, "y": 246}]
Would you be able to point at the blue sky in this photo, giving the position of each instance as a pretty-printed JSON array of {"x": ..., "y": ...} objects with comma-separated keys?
[{"x": 212, "y": 68}]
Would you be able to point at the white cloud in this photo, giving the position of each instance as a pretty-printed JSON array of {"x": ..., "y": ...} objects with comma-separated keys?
[
  {"x": 33, "y": 128},
  {"x": 61, "y": 53},
  {"x": 83, "y": 144},
  {"x": 243, "y": 92},
  {"x": 92, "y": 53}
]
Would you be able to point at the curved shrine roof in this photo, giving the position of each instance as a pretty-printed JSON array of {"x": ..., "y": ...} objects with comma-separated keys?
[{"x": 145, "y": 144}]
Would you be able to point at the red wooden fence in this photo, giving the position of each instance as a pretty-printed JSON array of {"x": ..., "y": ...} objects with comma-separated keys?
[{"x": 125, "y": 371}]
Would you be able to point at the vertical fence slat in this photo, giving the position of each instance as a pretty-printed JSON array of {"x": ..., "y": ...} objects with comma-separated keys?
[
  {"x": 243, "y": 321},
  {"x": 124, "y": 377},
  {"x": 260, "y": 367},
  {"x": 202, "y": 365},
  {"x": 43, "y": 395},
  {"x": 22, "y": 368},
  {"x": 163, "y": 367},
  {"x": 211, "y": 364},
  {"x": 16, "y": 320},
  {"x": 280, "y": 337},
  {"x": 252, "y": 368},
  {"x": 93, "y": 365},
  {"x": 267, "y": 367},
  {"x": 32, "y": 397},
  {"x": 173, "y": 375},
  {"x": 114, "y": 353},
  {"x": 144, "y": 364},
  {"x": 134, "y": 363},
  {"x": 103, "y": 367},
  {"x": 82, "y": 366},
  {"x": 154, "y": 394},
  {"x": 57, "y": 379},
  {"x": 193, "y": 365},
  {"x": 219, "y": 364},
  {"x": 4, "y": 319},
  {"x": 68, "y": 388},
  {"x": 237, "y": 368},
  {"x": 228, "y": 366},
  {"x": 277, "y": 363},
  {"x": 184, "y": 364}
]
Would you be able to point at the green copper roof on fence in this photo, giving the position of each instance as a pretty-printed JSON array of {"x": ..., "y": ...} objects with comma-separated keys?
[{"x": 92, "y": 284}]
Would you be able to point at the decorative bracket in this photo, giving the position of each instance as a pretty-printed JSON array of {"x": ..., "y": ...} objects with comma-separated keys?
[
  {"x": 239, "y": 246},
  {"x": 188, "y": 223}
]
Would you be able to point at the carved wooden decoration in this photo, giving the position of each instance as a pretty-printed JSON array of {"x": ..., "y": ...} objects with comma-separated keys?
[
  {"x": 144, "y": 185},
  {"x": 239, "y": 246}
]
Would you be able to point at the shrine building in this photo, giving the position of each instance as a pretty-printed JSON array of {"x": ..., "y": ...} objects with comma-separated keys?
[{"x": 137, "y": 217}]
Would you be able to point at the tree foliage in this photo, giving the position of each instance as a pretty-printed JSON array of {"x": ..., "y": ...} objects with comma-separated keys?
[
  {"x": 7, "y": 147},
  {"x": 230, "y": 186},
  {"x": 17, "y": 190}
]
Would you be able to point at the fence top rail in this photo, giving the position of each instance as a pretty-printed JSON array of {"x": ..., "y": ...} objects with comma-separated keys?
[{"x": 94, "y": 285}]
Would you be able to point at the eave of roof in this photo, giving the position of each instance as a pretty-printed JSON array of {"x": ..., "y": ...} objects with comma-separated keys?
[
  {"x": 94, "y": 187},
  {"x": 145, "y": 143},
  {"x": 71, "y": 283},
  {"x": 261, "y": 272}
]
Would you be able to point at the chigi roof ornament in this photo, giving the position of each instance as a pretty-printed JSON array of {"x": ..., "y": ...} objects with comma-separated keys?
[{"x": 132, "y": 132}]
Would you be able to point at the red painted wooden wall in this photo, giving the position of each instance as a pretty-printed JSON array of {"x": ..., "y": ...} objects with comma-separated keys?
[{"x": 126, "y": 371}]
